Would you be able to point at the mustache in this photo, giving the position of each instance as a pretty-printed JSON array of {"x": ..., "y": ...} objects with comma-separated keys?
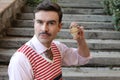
[{"x": 46, "y": 33}]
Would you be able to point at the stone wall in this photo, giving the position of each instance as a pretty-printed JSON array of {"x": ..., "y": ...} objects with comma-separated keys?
[{"x": 8, "y": 11}]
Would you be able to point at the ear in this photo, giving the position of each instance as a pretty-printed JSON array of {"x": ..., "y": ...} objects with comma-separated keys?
[{"x": 60, "y": 26}]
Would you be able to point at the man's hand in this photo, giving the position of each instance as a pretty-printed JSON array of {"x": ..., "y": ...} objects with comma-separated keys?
[{"x": 76, "y": 31}]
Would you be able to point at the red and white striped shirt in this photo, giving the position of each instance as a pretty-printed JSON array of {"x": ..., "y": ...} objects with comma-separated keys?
[
  {"x": 20, "y": 67},
  {"x": 43, "y": 69}
]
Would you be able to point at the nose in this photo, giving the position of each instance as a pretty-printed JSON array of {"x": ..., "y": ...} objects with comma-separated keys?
[{"x": 45, "y": 27}]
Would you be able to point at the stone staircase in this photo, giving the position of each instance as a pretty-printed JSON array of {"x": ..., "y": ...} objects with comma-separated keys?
[{"x": 103, "y": 41}]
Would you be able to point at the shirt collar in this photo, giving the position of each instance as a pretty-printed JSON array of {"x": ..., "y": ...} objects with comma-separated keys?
[{"x": 38, "y": 46}]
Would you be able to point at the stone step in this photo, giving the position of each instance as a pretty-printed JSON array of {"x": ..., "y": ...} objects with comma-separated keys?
[
  {"x": 3, "y": 72},
  {"x": 94, "y": 44},
  {"x": 80, "y": 73},
  {"x": 99, "y": 58},
  {"x": 80, "y": 3},
  {"x": 67, "y": 10},
  {"x": 89, "y": 18},
  {"x": 91, "y": 73},
  {"x": 91, "y": 25},
  {"x": 65, "y": 33},
  {"x": 87, "y": 25},
  {"x": 73, "y": 17},
  {"x": 83, "y": 11}
]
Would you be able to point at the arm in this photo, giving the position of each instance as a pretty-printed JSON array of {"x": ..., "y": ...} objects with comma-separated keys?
[
  {"x": 70, "y": 56},
  {"x": 83, "y": 49}
]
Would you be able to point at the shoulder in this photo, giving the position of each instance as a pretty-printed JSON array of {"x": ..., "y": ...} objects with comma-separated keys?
[
  {"x": 18, "y": 62},
  {"x": 58, "y": 43},
  {"x": 61, "y": 46},
  {"x": 18, "y": 58},
  {"x": 19, "y": 65}
]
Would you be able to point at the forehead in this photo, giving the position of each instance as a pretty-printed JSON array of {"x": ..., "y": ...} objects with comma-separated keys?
[{"x": 46, "y": 15}]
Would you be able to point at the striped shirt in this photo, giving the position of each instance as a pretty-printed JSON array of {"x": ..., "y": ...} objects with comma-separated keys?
[
  {"x": 20, "y": 66},
  {"x": 43, "y": 69}
]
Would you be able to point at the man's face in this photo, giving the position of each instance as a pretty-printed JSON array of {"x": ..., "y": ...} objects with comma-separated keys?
[{"x": 46, "y": 26}]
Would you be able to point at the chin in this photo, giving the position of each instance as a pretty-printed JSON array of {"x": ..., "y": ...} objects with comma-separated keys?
[{"x": 45, "y": 40}]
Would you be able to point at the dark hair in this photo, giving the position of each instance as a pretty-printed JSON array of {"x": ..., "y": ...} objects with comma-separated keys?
[{"x": 49, "y": 6}]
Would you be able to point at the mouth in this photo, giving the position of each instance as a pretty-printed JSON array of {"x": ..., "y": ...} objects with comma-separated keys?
[{"x": 44, "y": 35}]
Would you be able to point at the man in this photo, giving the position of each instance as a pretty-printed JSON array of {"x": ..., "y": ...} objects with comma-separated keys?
[{"x": 41, "y": 58}]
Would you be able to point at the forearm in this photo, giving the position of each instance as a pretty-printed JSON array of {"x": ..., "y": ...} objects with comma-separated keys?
[{"x": 83, "y": 49}]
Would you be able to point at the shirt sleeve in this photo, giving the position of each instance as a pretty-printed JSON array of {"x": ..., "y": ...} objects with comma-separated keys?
[
  {"x": 70, "y": 56},
  {"x": 19, "y": 68}
]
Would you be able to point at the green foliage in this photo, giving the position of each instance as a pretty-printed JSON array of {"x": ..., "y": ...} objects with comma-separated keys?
[
  {"x": 34, "y": 3},
  {"x": 54, "y": 1},
  {"x": 112, "y": 7},
  {"x": 107, "y": 8}
]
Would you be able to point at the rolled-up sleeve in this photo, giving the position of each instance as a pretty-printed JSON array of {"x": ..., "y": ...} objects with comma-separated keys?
[{"x": 70, "y": 56}]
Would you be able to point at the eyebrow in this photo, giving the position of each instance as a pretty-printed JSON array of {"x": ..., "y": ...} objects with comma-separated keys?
[
  {"x": 45, "y": 21},
  {"x": 52, "y": 21}
]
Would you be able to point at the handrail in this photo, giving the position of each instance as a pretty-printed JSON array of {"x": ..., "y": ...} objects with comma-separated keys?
[{"x": 8, "y": 11}]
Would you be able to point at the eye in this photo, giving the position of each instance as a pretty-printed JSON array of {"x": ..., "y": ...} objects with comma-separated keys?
[
  {"x": 51, "y": 23},
  {"x": 39, "y": 21}
]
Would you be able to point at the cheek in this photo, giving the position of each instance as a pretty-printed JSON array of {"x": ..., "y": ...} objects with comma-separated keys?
[
  {"x": 36, "y": 29},
  {"x": 55, "y": 31},
  {"x": 36, "y": 25}
]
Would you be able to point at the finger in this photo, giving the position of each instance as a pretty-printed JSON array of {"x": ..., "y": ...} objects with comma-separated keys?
[
  {"x": 73, "y": 24},
  {"x": 81, "y": 28}
]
